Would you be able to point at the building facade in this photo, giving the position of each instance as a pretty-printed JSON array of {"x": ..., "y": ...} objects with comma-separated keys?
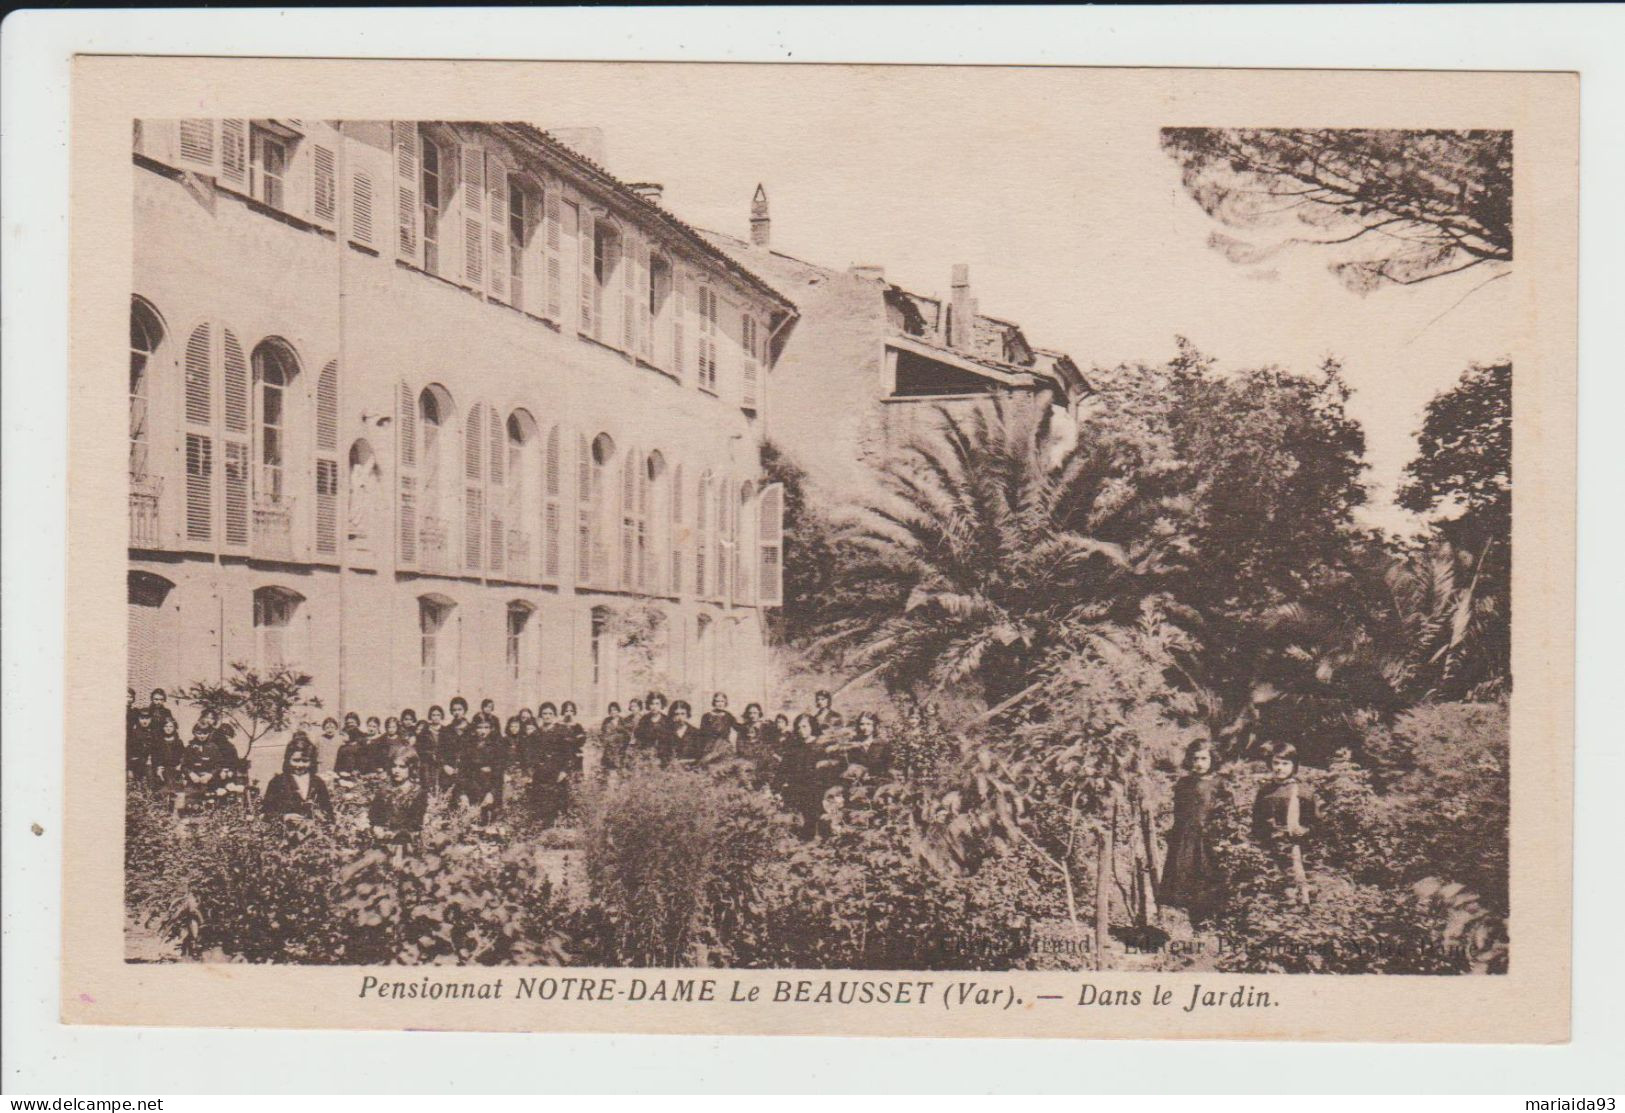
[
  {"x": 439, "y": 408},
  {"x": 870, "y": 363}
]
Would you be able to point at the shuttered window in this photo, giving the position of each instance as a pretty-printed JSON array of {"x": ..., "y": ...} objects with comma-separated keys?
[
  {"x": 323, "y": 185},
  {"x": 708, "y": 338},
  {"x": 552, "y": 509},
  {"x": 584, "y": 506},
  {"x": 674, "y": 533},
  {"x": 496, "y": 497},
  {"x": 198, "y": 148},
  {"x": 589, "y": 282},
  {"x": 474, "y": 488},
  {"x": 702, "y": 538},
  {"x": 234, "y": 153},
  {"x": 361, "y": 208},
  {"x": 405, "y": 136},
  {"x": 498, "y": 229},
  {"x": 472, "y": 203},
  {"x": 748, "y": 366},
  {"x": 406, "y": 471},
  {"x": 554, "y": 240},
  {"x": 327, "y": 463},
  {"x": 770, "y": 546}
]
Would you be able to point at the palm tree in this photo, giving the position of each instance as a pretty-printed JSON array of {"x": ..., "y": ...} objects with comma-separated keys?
[{"x": 997, "y": 533}]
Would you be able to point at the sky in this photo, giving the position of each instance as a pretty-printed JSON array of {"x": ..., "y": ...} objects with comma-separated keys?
[{"x": 1051, "y": 186}]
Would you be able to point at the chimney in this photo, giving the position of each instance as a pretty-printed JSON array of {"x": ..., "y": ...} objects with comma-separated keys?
[
  {"x": 761, "y": 226},
  {"x": 586, "y": 142},
  {"x": 871, "y": 271},
  {"x": 651, "y": 192},
  {"x": 962, "y": 321}
]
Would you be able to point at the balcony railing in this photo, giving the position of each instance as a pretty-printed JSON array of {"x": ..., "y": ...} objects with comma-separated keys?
[
  {"x": 273, "y": 529},
  {"x": 144, "y": 493},
  {"x": 433, "y": 555},
  {"x": 519, "y": 565}
]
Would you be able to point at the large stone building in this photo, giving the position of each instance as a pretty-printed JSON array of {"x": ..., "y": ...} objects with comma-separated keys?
[
  {"x": 437, "y": 408},
  {"x": 870, "y": 363}
]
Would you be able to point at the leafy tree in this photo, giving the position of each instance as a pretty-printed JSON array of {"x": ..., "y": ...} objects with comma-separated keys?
[
  {"x": 253, "y": 702},
  {"x": 1398, "y": 207},
  {"x": 995, "y": 537}
]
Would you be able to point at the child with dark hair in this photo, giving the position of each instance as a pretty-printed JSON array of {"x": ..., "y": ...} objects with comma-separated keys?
[
  {"x": 1285, "y": 814},
  {"x": 166, "y": 754},
  {"x": 298, "y": 790},
  {"x": 650, "y": 736},
  {"x": 351, "y": 760},
  {"x": 396, "y": 811},
  {"x": 140, "y": 733},
  {"x": 719, "y": 731},
  {"x": 613, "y": 736},
  {"x": 684, "y": 743},
  {"x": 1191, "y": 877},
  {"x": 479, "y": 775},
  {"x": 428, "y": 748}
]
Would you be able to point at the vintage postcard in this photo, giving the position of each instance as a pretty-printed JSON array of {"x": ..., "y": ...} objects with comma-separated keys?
[{"x": 872, "y": 550}]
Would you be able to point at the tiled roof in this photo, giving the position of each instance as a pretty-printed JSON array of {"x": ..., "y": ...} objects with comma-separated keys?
[{"x": 625, "y": 193}]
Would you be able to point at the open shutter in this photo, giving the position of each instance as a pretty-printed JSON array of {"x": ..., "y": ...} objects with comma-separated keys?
[
  {"x": 722, "y": 530},
  {"x": 629, "y": 284},
  {"x": 646, "y": 339},
  {"x": 555, "y": 278},
  {"x": 361, "y": 208},
  {"x": 236, "y": 443},
  {"x": 674, "y": 532},
  {"x": 407, "y": 213},
  {"x": 472, "y": 204},
  {"x": 496, "y": 499},
  {"x": 323, "y": 185},
  {"x": 770, "y": 546},
  {"x": 199, "y": 389},
  {"x": 234, "y": 153},
  {"x": 702, "y": 539},
  {"x": 584, "y": 507},
  {"x": 406, "y": 472},
  {"x": 474, "y": 489},
  {"x": 198, "y": 148},
  {"x": 679, "y": 324},
  {"x": 629, "y": 509},
  {"x": 496, "y": 187},
  {"x": 327, "y": 462},
  {"x": 589, "y": 280},
  {"x": 748, "y": 366},
  {"x": 645, "y": 498},
  {"x": 552, "y": 512}
]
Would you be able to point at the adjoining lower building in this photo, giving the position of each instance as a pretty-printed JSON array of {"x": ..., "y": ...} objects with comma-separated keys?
[
  {"x": 870, "y": 363},
  {"x": 439, "y": 408}
]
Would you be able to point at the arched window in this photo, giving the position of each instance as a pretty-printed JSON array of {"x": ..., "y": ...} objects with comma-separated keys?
[
  {"x": 437, "y": 646},
  {"x": 436, "y": 429},
  {"x": 519, "y": 654},
  {"x": 276, "y": 633},
  {"x": 525, "y": 480},
  {"x": 274, "y": 371},
  {"x": 153, "y": 632},
  {"x": 653, "y": 482},
  {"x": 146, "y": 333},
  {"x": 636, "y": 477},
  {"x": 595, "y": 567},
  {"x": 607, "y": 262}
]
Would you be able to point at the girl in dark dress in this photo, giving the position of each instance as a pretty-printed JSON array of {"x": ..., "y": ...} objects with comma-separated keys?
[
  {"x": 428, "y": 748},
  {"x": 1191, "y": 878},
  {"x": 804, "y": 775},
  {"x": 396, "y": 811},
  {"x": 351, "y": 760},
  {"x": 297, "y": 790},
  {"x": 167, "y": 753},
  {"x": 479, "y": 777},
  {"x": 758, "y": 742},
  {"x": 613, "y": 736},
  {"x": 719, "y": 731},
  {"x": 649, "y": 737},
  {"x": 1285, "y": 814}
]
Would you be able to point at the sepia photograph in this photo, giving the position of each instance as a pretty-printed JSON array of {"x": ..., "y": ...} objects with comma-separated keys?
[{"x": 865, "y": 549}]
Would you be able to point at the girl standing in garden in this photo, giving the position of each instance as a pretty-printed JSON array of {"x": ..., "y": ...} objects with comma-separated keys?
[
  {"x": 1285, "y": 813},
  {"x": 1191, "y": 878},
  {"x": 396, "y": 811},
  {"x": 298, "y": 790}
]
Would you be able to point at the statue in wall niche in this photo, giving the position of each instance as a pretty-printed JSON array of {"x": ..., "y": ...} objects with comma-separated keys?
[{"x": 366, "y": 482}]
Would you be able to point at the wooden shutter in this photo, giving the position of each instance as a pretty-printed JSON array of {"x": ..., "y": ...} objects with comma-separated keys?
[
  {"x": 361, "y": 208},
  {"x": 199, "y": 407},
  {"x": 748, "y": 370},
  {"x": 495, "y": 498},
  {"x": 679, "y": 330},
  {"x": 327, "y": 463},
  {"x": 238, "y": 452},
  {"x": 199, "y": 147},
  {"x": 234, "y": 153},
  {"x": 674, "y": 533},
  {"x": 471, "y": 199},
  {"x": 552, "y": 512},
  {"x": 629, "y": 286},
  {"x": 589, "y": 281},
  {"x": 323, "y": 185},
  {"x": 474, "y": 489},
  {"x": 407, "y": 214},
  {"x": 645, "y": 572},
  {"x": 406, "y": 468},
  {"x": 629, "y": 510},
  {"x": 584, "y": 524},
  {"x": 722, "y": 530},
  {"x": 496, "y": 186},
  {"x": 646, "y": 340},
  {"x": 555, "y": 279},
  {"x": 702, "y": 538},
  {"x": 770, "y": 546}
]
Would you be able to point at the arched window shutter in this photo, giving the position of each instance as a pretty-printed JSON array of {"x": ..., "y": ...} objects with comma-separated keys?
[
  {"x": 770, "y": 546},
  {"x": 200, "y": 388},
  {"x": 555, "y": 279},
  {"x": 589, "y": 283},
  {"x": 629, "y": 510},
  {"x": 674, "y": 534},
  {"x": 406, "y": 469},
  {"x": 406, "y": 190},
  {"x": 474, "y": 489},
  {"x": 496, "y": 500},
  {"x": 702, "y": 539},
  {"x": 553, "y": 514},
  {"x": 234, "y": 153},
  {"x": 584, "y": 569},
  {"x": 327, "y": 462},
  {"x": 237, "y": 451},
  {"x": 496, "y": 185}
]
